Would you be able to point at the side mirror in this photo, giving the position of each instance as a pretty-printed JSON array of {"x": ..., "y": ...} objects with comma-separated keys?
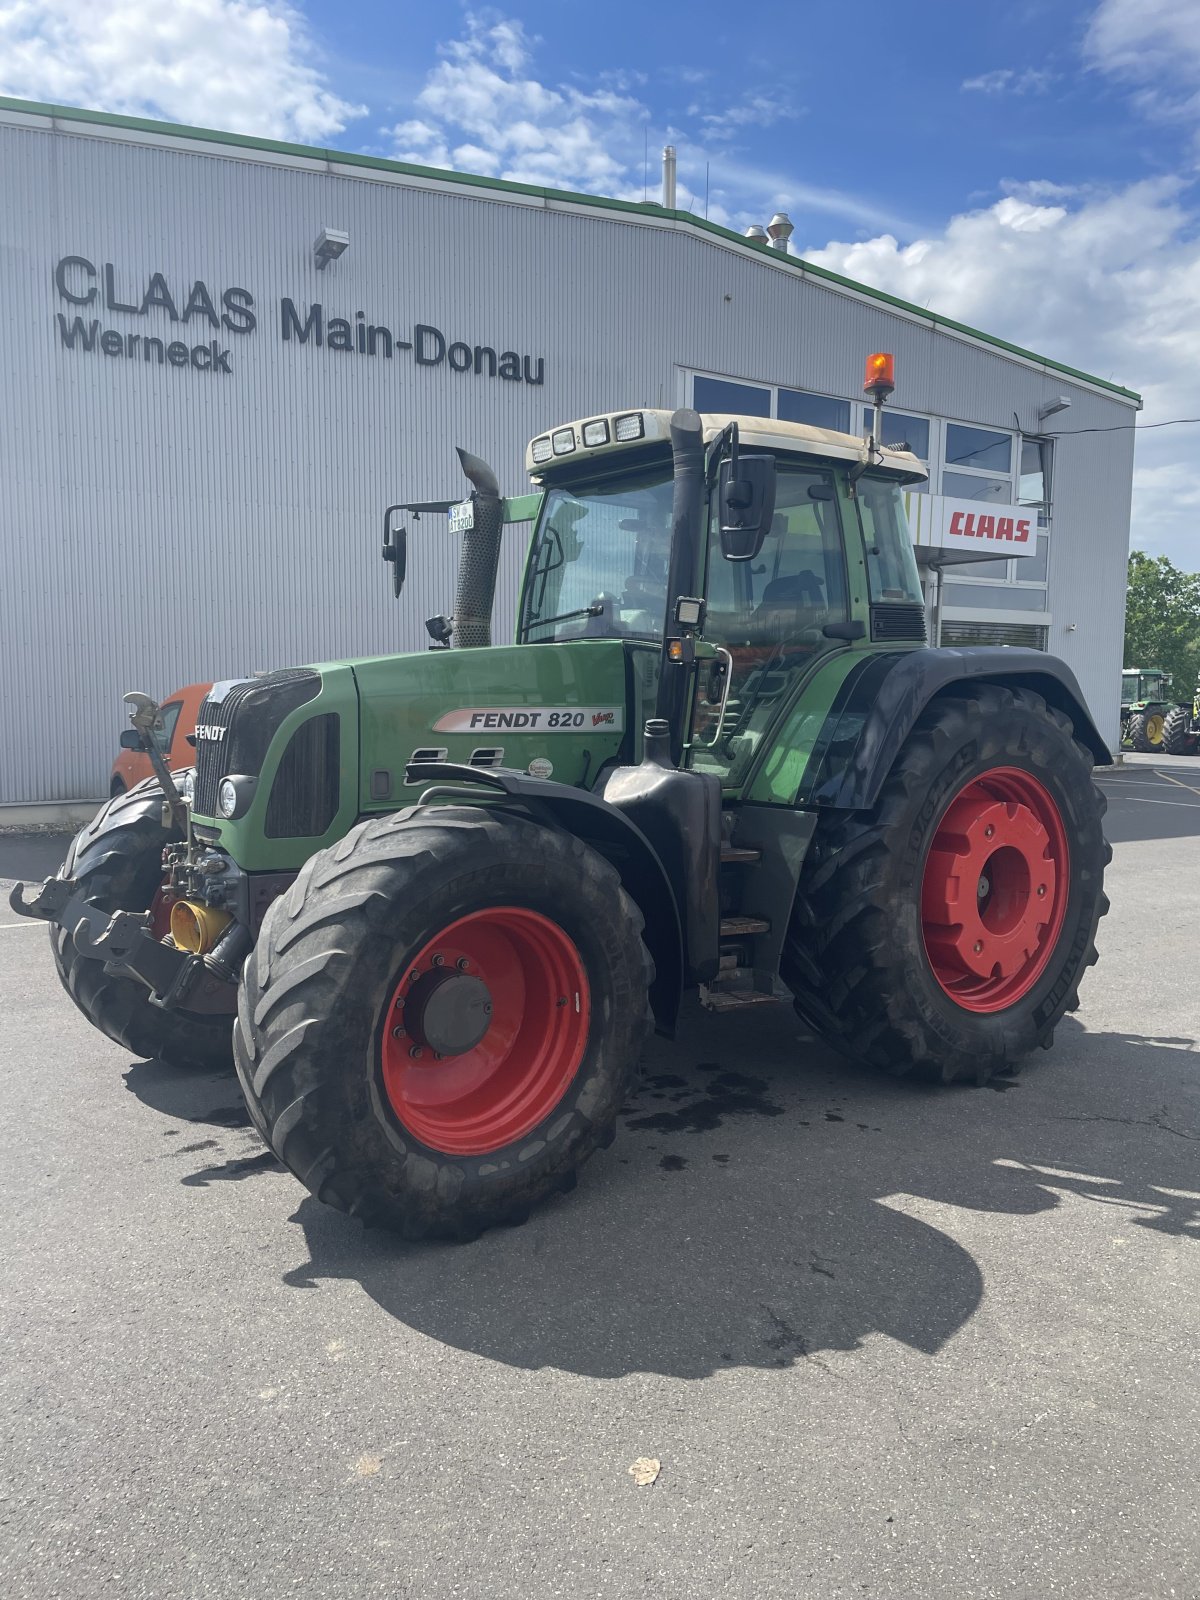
[
  {"x": 130, "y": 739},
  {"x": 395, "y": 547},
  {"x": 746, "y": 490}
]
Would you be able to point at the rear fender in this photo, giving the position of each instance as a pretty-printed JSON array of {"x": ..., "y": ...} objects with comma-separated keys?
[
  {"x": 608, "y": 831},
  {"x": 881, "y": 698}
]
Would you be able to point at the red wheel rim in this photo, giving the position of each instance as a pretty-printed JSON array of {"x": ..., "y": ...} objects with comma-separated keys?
[
  {"x": 469, "y": 1101},
  {"x": 994, "y": 890}
]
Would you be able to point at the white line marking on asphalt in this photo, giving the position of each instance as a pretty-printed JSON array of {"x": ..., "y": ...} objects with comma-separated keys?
[
  {"x": 1133, "y": 783},
  {"x": 6, "y": 926},
  {"x": 1188, "y": 805}
]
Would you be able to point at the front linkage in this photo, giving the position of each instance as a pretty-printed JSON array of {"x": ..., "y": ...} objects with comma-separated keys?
[
  {"x": 130, "y": 944},
  {"x": 124, "y": 941}
]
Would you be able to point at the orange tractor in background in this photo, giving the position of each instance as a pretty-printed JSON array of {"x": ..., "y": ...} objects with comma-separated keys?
[{"x": 173, "y": 734}]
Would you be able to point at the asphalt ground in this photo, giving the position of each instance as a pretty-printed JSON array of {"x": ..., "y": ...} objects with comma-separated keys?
[{"x": 884, "y": 1340}]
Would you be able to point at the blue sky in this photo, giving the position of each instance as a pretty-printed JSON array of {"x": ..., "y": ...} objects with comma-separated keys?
[{"x": 1032, "y": 168}]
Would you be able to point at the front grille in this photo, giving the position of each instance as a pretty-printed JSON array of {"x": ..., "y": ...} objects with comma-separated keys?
[
  {"x": 898, "y": 619},
  {"x": 249, "y": 712},
  {"x": 307, "y": 787}
]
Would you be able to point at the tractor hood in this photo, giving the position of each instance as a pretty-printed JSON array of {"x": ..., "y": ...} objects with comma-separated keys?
[
  {"x": 305, "y": 752},
  {"x": 557, "y": 711}
]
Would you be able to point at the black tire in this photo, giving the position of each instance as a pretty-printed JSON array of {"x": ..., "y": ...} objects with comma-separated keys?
[
  {"x": 318, "y": 988},
  {"x": 1141, "y": 727},
  {"x": 117, "y": 861},
  {"x": 856, "y": 957},
  {"x": 1177, "y": 739},
  {"x": 115, "y": 788}
]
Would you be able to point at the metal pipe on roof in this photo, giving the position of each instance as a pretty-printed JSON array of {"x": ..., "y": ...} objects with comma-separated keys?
[{"x": 668, "y": 179}]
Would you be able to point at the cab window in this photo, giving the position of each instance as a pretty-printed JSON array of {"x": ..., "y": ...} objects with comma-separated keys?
[
  {"x": 891, "y": 565},
  {"x": 164, "y": 728}
]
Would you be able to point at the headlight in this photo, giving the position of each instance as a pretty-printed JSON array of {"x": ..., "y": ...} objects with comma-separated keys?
[
  {"x": 540, "y": 450},
  {"x": 234, "y": 795},
  {"x": 185, "y": 782},
  {"x": 630, "y": 426},
  {"x": 563, "y": 440},
  {"x": 595, "y": 433}
]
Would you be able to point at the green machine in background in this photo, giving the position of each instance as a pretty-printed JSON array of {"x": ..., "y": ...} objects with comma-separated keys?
[
  {"x": 432, "y": 904},
  {"x": 1145, "y": 704}
]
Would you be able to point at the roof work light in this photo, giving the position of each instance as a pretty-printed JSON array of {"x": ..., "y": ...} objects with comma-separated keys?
[{"x": 880, "y": 377}]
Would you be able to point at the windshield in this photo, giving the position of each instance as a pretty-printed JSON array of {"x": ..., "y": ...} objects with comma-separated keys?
[{"x": 598, "y": 565}]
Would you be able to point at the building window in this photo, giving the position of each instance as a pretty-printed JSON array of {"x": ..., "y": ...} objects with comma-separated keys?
[
  {"x": 1031, "y": 635},
  {"x": 978, "y": 449},
  {"x": 722, "y": 395},
  {"x": 816, "y": 409},
  {"x": 977, "y": 486}
]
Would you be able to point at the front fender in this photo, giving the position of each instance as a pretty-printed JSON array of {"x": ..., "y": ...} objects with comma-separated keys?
[
  {"x": 882, "y": 696},
  {"x": 607, "y": 830}
]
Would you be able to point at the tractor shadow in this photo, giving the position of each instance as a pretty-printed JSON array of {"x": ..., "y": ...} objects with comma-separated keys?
[
  {"x": 223, "y": 1139},
  {"x": 763, "y": 1204}
]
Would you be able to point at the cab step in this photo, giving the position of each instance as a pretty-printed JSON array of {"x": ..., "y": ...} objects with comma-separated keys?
[
  {"x": 733, "y": 854},
  {"x": 738, "y": 927},
  {"x": 735, "y": 999}
]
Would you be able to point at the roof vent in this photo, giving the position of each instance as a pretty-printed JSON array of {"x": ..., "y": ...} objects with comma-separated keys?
[
  {"x": 756, "y": 233},
  {"x": 779, "y": 231}
]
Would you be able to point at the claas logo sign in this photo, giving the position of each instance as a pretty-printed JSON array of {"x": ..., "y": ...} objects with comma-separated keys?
[{"x": 985, "y": 525}]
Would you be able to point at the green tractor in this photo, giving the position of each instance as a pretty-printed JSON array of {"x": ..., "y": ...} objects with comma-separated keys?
[
  {"x": 439, "y": 900},
  {"x": 1145, "y": 705}
]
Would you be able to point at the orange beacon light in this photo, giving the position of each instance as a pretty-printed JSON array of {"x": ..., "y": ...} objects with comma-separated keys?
[{"x": 880, "y": 377}]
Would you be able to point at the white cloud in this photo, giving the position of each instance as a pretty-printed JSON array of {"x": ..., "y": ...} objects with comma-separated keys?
[
  {"x": 1146, "y": 38},
  {"x": 242, "y": 65},
  {"x": 1154, "y": 46},
  {"x": 1004, "y": 80},
  {"x": 1109, "y": 283},
  {"x": 481, "y": 107}
]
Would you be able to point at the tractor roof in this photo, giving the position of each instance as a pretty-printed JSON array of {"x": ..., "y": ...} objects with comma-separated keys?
[{"x": 603, "y": 435}]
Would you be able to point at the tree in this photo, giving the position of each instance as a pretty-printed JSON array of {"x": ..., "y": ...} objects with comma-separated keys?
[{"x": 1162, "y": 620}]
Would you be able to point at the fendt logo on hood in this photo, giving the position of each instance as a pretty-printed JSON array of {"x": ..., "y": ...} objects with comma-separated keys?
[
  {"x": 203, "y": 731},
  {"x": 531, "y": 719}
]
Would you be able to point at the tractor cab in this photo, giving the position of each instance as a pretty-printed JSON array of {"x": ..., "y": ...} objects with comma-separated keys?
[{"x": 823, "y": 560}]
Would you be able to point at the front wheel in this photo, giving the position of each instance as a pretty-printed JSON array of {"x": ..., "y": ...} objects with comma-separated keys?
[
  {"x": 117, "y": 863},
  {"x": 947, "y": 931},
  {"x": 441, "y": 1018}
]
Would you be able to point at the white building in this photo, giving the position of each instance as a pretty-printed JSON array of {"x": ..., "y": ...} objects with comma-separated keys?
[{"x": 203, "y": 419}]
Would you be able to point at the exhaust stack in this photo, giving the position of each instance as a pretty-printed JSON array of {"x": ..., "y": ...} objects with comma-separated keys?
[{"x": 480, "y": 557}]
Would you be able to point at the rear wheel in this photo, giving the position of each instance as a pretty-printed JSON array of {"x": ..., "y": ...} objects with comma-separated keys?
[
  {"x": 1177, "y": 738},
  {"x": 441, "y": 1018},
  {"x": 117, "y": 863},
  {"x": 1146, "y": 731},
  {"x": 947, "y": 931}
]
